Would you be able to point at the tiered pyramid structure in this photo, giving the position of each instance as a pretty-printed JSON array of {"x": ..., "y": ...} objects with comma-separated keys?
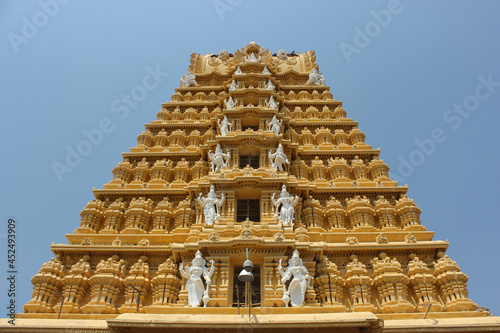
[{"x": 255, "y": 128}]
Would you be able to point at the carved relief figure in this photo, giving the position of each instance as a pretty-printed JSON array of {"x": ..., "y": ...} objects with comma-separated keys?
[
  {"x": 225, "y": 126},
  {"x": 272, "y": 104},
  {"x": 278, "y": 158},
  {"x": 219, "y": 158},
  {"x": 211, "y": 206},
  {"x": 315, "y": 78},
  {"x": 233, "y": 86},
  {"x": 274, "y": 125},
  {"x": 287, "y": 203},
  {"x": 194, "y": 286},
  {"x": 269, "y": 85},
  {"x": 301, "y": 280},
  {"x": 230, "y": 104},
  {"x": 188, "y": 79}
]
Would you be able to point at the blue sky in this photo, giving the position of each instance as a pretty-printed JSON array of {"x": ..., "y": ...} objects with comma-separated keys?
[{"x": 421, "y": 77}]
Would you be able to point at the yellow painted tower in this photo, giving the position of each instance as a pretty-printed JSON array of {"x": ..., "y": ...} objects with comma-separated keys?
[{"x": 252, "y": 152}]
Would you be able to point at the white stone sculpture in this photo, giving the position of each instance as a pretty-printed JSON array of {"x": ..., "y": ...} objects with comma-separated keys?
[
  {"x": 188, "y": 79},
  {"x": 194, "y": 286},
  {"x": 233, "y": 86},
  {"x": 274, "y": 125},
  {"x": 218, "y": 159},
  {"x": 315, "y": 78},
  {"x": 230, "y": 104},
  {"x": 281, "y": 54},
  {"x": 266, "y": 71},
  {"x": 252, "y": 58},
  {"x": 287, "y": 204},
  {"x": 272, "y": 104},
  {"x": 269, "y": 85},
  {"x": 211, "y": 206},
  {"x": 225, "y": 126},
  {"x": 301, "y": 280},
  {"x": 224, "y": 55},
  {"x": 278, "y": 158},
  {"x": 238, "y": 71}
]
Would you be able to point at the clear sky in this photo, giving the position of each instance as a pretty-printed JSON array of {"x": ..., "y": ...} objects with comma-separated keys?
[{"x": 421, "y": 77}]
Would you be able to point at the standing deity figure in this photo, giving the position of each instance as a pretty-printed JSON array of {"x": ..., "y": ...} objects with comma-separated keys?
[
  {"x": 238, "y": 71},
  {"x": 219, "y": 158},
  {"x": 252, "y": 58},
  {"x": 211, "y": 206},
  {"x": 233, "y": 86},
  {"x": 269, "y": 85},
  {"x": 278, "y": 158},
  {"x": 188, "y": 79},
  {"x": 230, "y": 104},
  {"x": 287, "y": 203},
  {"x": 225, "y": 126},
  {"x": 274, "y": 125},
  {"x": 315, "y": 78},
  {"x": 272, "y": 104},
  {"x": 194, "y": 286},
  {"x": 301, "y": 280}
]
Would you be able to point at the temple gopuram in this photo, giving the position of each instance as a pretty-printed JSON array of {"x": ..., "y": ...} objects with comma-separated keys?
[{"x": 251, "y": 203}]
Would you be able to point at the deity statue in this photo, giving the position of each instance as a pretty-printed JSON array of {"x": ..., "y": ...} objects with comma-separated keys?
[
  {"x": 287, "y": 203},
  {"x": 219, "y": 158},
  {"x": 274, "y": 125},
  {"x": 281, "y": 54},
  {"x": 272, "y": 104},
  {"x": 225, "y": 126},
  {"x": 224, "y": 55},
  {"x": 238, "y": 71},
  {"x": 252, "y": 58},
  {"x": 211, "y": 206},
  {"x": 278, "y": 158},
  {"x": 230, "y": 104},
  {"x": 194, "y": 286},
  {"x": 269, "y": 85},
  {"x": 233, "y": 86},
  {"x": 300, "y": 282},
  {"x": 188, "y": 79},
  {"x": 315, "y": 78},
  {"x": 266, "y": 71}
]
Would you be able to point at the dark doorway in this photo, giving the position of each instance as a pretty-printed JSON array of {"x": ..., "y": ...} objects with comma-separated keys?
[{"x": 240, "y": 291}]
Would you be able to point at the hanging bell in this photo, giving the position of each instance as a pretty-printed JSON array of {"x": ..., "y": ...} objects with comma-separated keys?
[{"x": 246, "y": 273}]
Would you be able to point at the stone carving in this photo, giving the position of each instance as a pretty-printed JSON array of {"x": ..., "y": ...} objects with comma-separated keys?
[
  {"x": 279, "y": 237},
  {"x": 301, "y": 280},
  {"x": 382, "y": 239},
  {"x": 252, "y": 58},
  {"x": 316, "y": 78},
  {"x": 225, "y": 126},
  {"x": 410, "y": 239},
  {"x": 269, "y": 85},
  {"x": 143, "y": 242},
  {"x": 224, "y": 55},
  {"x": 352, "y": 240},
  {"x": 211, "y": 206},
  {"x": 287, "y": 203},
  {"x": 274, "y": 125},
  {"x": 272, "y": 104},
  {"x": 281, "y": 54},
  {"x": 188, "y": 80},
  {"x": 266, "y": 71},
  {"x": 230, "y": 103},
  {"x": 219, "y": 158},
  {"x": 238, "y": 71},
  {"x": 278, "y": 158},
  {"x": 117, "y": 242},
  {"x": 233, "y": 86},
  {"x": 194, "y": 286},
  {"x": 87, "y": 241},
  {"x": 214, "y": 237}
]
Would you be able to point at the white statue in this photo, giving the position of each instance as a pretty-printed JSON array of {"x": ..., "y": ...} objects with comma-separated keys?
[
  {"x": 194, "y": 286},
  {"x": 238, "y": 71},
  {"x": 188, "y": 79},
  {"x": 225, "y": 126},
  {"x": 252, "y": 58},
  {"x": 278, "y": 158},
  {"x": 274, "y": 125},
  {"x": 211, "y": 206},
  {"x": 272, "y": 104},
  {"x": 230, "y": 104},
  {"x": 301, "y": 280},
  {"x": 287, "y": 203},
  {"x": 224, "y": 55},
  {"x": 281, "y": 54},
  {"x": 219, "y": 158},
  {"x": 269, "y": 85},
  {"x": 315, "y": 78},
  {"x": 266, "y": 71},
  {"x": 233, "y": 86}
]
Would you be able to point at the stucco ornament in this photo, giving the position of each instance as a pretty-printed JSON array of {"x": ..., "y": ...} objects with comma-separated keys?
[
  {"x": 224, "y": 55},
  {"x": 225, "y": 126},
  {"x": 194, "y": 286},
  {"x": 301, "y": 280},
  {"x": 188, "y": 79},
  {"x": 211, "y": 206},
  {"x": 238, "y": 71},
  {"x": 278, "y": 158},
  {"x": 315, "y": 78},
  {"x": 274, "y": 125},
  {"x": 281, "y": 54},
  {"x": 272, "y": 104},
  {"x": 218, "y": 159},
  {"x": 269, "y": 85},
  {"x": 252, "y": 58},
  {"x": 287, "y": 203},
  {"x": 230, "y": 103},
  {"x": 233, "y": 86}
]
